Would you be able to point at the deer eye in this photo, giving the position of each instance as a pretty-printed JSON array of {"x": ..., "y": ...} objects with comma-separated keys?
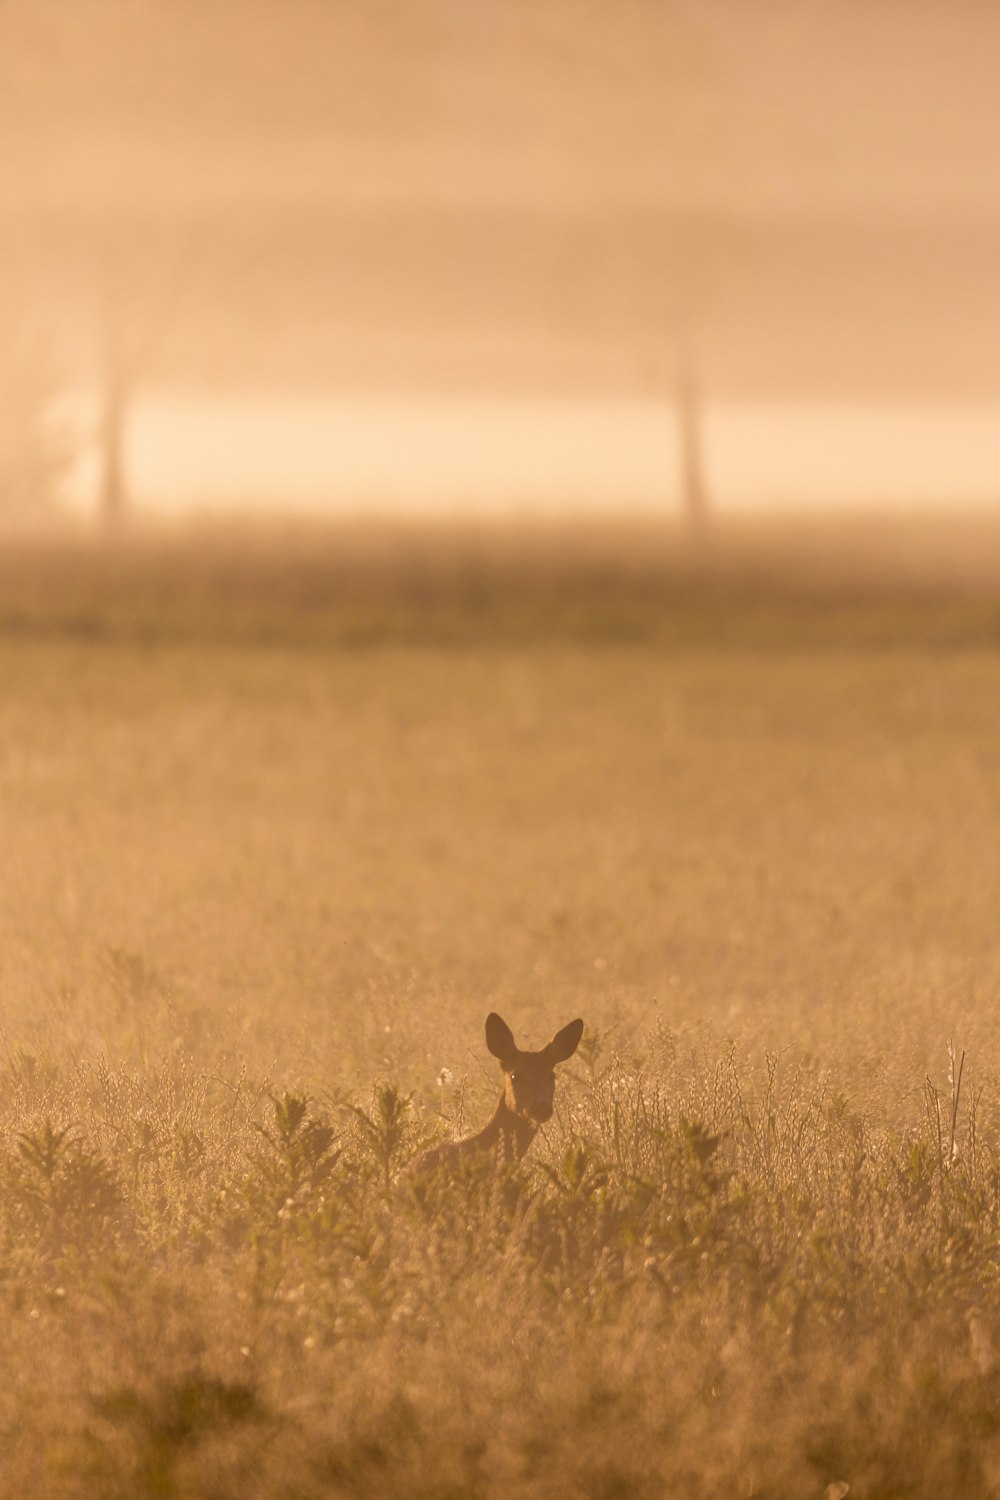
[{"x": 513, "y": 1078}]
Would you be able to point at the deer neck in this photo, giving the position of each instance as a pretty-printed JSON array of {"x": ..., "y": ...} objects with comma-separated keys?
[{"x": 506, "y": 1131}]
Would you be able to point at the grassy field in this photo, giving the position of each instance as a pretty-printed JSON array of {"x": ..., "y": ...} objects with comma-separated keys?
[{"x": 284, "y": 817}]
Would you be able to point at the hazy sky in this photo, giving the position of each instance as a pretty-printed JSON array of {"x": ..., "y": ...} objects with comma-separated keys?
[
  {"x": 889, "y": 105},
  {"x": 879, "y": 120}
]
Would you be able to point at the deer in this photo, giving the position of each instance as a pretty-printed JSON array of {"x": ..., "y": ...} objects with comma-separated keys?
[{"x": 525, "y": 1103}]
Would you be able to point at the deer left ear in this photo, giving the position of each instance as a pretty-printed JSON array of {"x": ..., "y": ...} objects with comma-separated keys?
[
  {"x": 500, "y": 1038},
  {"x": 565, "y": 1042}
]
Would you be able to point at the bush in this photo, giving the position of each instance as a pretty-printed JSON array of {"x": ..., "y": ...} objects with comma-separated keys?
[{"x": 35, "y": 445}]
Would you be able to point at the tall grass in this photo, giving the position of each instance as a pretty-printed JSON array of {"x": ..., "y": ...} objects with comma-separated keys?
[
  {"x": 715, "y": 1275},
  {"x": 259, "y": 889}
]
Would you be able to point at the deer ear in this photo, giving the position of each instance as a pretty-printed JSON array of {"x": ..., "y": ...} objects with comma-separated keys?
[
  {"x": 500, "y": 1038},
  {"x": 565, "y": 1042}
]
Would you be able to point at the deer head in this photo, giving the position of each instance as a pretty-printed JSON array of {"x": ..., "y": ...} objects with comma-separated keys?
[{"x": 529, "y": 1079}]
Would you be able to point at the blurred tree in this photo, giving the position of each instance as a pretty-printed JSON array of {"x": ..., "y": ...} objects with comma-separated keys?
[
  {"x": 117, "y": 385},
  {"x": 692, "y": 480},
  {"x": 142, "y": 273},
  {"x": 36, "y": 446}
]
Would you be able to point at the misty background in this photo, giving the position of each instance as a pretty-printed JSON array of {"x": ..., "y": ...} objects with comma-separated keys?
[{"x": 498, "y": 256}]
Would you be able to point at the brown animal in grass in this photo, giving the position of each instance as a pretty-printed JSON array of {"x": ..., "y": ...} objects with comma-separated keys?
[{"x": 529, "y": 1083}]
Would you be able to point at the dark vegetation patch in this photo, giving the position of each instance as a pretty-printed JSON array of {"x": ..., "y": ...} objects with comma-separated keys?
[{"x": 847, "y": 584}]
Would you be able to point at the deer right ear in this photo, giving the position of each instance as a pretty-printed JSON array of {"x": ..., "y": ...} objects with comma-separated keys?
[
  {"x": 500, "y": 1038},
  {"x": 565, "y": 1042}
]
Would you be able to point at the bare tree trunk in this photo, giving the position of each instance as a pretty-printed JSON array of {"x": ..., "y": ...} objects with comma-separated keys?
[
  {"x": 113, "y": 497},
  {"x": 694, "y": 495},
  {"x": 136, "y": 310}
]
